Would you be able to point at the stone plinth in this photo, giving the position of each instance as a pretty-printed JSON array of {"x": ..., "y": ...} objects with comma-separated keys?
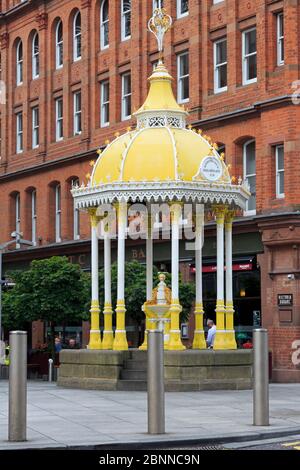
[{"x": 188, "y": 370}]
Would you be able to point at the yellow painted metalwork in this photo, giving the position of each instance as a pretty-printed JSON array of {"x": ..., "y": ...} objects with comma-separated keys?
[
  {"x": 95, "y": 339},
  {"x": 199, "y": 338},
  {"x": 108, "y": 336},
  {"x": 175, "y": 343},
  {"x": 120, "y": 341}
]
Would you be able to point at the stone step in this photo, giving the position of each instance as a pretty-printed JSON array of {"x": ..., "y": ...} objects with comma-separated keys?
[
  {"x": 135, "y": 365},
  {"x": 137, "y": 355},
  {"x": 132, "y": 385},
  {"x": 136, "y": 374}
]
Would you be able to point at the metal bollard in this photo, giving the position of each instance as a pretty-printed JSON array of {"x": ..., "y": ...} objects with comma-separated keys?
[
  {"x": 156, "y": 386},
  {"x": 261, "y": 378},
  {"x": 50, "y": 377},
  {"x": 17, "y": 413}
]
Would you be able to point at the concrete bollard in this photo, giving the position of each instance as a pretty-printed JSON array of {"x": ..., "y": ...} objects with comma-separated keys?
[
  {"x": 155, "y": 378},
  {"x": 17, "y": 413},
  {"x": 261, "y": 378}
]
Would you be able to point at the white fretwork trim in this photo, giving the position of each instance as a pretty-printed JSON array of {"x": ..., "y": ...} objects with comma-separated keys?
[
  {"x": 156, "y": 191},
  {"x": 161, "y": 118}
]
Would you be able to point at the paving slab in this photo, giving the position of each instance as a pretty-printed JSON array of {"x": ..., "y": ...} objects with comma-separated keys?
[{"x": 61, "y": 418}]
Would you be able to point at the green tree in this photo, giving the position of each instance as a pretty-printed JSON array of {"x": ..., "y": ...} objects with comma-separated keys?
[{"x": 52, "y": 290}]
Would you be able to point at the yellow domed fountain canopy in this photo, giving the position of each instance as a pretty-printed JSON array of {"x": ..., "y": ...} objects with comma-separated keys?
[{"x": 161, "y": 159}]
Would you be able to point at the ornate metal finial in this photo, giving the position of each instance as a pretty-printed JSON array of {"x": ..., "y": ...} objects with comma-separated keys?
[{"x": 159, "y": 24}]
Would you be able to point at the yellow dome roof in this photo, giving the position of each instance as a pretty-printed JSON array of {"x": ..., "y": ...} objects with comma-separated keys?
[
  {"x": 161, "y": 148},
  {"x": 154, "y": 154}
]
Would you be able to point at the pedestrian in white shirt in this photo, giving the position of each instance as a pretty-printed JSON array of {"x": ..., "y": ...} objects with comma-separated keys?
[{"x": 211, "y": 333}]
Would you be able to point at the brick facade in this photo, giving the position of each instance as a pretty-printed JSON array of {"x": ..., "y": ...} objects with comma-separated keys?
[{"x": 262, "y": 111}]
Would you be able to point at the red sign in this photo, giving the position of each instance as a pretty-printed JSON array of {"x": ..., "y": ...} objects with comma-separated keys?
[{"x": 235, "y": 267}]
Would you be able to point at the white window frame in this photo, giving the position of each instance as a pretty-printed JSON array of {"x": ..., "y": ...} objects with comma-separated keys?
[
  {"x": 19, "y": 132},
  {"x": 35, "y": 56},
  {"x": 59, "y": 119},
  {"x": 124, "y": 97},
  {"x": 33, "y": 217},
  {"x": 279, "y": 195},
  {"x": 19, "y": 63},
  {"x": 58, "y": 213},
  {"x": 76, "y": 37},
  {"x": 124, "y": 15},
  {"x": 218, "y": 66},
  {"x": 59, "y": 46},
  {"x": 104, "y": 104},
  {"x": 35, "y": 126},
  {"x": 157, "y": 4},
  {"x": 217, "y": 1},
  {"x": 180, "y": 78},
  {"x": 280, "y": 39},
  {"x": 76, "y": 215},
  {"x": 179, "y": 9},
  {"x": 18, "y": 215},
  {"x": 246, "y": 57},
  {"x": 246, "y": 176},
  {"x": 103, "y": 24},
  {"x": 77, "y": 121}
]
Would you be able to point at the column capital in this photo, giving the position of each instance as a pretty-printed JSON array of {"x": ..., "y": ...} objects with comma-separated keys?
[
  {"x": 42, "y": 20},
  {"x": 229, "y": 216},
  {"x": 220, "y": 212},
  {"x": 4, "y": 40},
  {"x": 93, "y": 217}
]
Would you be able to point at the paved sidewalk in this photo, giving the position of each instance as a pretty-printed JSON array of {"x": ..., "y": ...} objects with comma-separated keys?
[{"x": 59, "y": 417}]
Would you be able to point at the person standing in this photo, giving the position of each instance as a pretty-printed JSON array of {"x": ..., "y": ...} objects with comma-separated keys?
[{"x": 211, "y": 333}]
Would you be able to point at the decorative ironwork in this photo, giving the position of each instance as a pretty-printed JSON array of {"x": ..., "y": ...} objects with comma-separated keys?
[{"x": 159, "y": 24}]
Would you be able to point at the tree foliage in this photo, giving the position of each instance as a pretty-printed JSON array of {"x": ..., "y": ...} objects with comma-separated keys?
[{"x": 52, "y": 290}]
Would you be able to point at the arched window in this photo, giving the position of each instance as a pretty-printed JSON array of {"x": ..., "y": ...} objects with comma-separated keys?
[
  {"x": 57, "y": 190},
  {"x": 249, "y": 166},
  {"x": 19, "y": 62},
  {"x": 59, "y": 45},
  {"x": 33, "y": 216},
  {"x": 76, "y": 215},
  {"x": 35, "y": 56},
  {"x": 77, "y": 36},
  {"x": 104, "y": 25}
]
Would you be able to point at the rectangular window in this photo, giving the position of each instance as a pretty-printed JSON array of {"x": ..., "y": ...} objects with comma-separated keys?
[
  {"x": 249, "y": 166},
  {"x": 220, "y": 66},
  {"x": 125, "y": 19},
  {"x": 182, "y": 8},
  {"x": 33, "y": 217},
  {"x": 126, "y": 96},
  {"x": 279, "y": 155},
  {"x": 59, "y": 132},
  {"x": 249, "y": 56},
  {"x": 104, "y": 105},
  {"x": 19, "y": 133},
  {"x": 183, "y": 77},
  {"x": 58, "y": 213},
  {"x": 35, "y": 127},
  {"x": 77, "y": 112},
  {"x": 280, "y": 39}
]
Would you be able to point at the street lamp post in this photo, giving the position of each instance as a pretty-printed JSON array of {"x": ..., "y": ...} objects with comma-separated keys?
[{"x": 18, "y": 240}]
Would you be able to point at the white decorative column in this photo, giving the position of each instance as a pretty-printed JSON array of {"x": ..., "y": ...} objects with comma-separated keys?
[
  {"x": 199, "y": 338},
  {"x": 149, "y": 278},
  {"x": 95, "y": 338},
  {"x": 120, "y": 341},
  {"x": 175, "y": 343},
  {"x": 108, "y": 338},
  {"x": 220, "y": 338},
  {"x": 230, "y": 333}
]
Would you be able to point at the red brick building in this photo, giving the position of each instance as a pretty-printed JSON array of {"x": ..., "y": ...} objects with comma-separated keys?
[{"x": 72, "y": 73}]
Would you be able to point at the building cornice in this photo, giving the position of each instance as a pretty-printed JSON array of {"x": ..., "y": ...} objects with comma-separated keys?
[
  {"x": 47, "y": 165},
  {"x": 250, "y": 111}
]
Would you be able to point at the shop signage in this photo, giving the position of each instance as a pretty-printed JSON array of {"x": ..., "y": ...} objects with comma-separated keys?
[
  {"x": 235, "y": 267},
  {"x": 285, "y": 300}
]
